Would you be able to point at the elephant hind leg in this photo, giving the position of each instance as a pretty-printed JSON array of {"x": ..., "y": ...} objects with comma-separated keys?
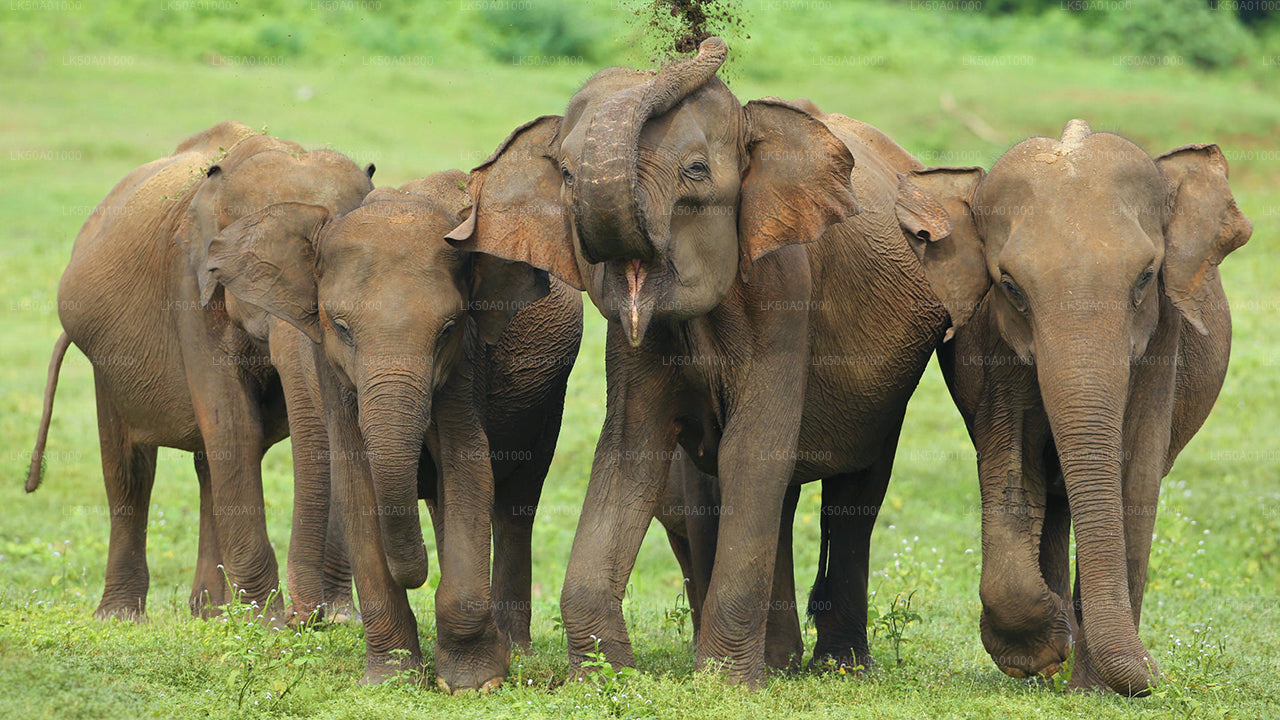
[
  {"x": 129, "y": 471},
  {"x": 209, "y": 588},
  {"x": 850, "y": 505}
]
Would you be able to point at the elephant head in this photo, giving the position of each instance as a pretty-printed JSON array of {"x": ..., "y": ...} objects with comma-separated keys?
[
  {"x": 656, "y": 191},
  {"x": 255, "y": 174},
  {"x": 393, "y": 305},
  {"x": 1082, "y": 236}
]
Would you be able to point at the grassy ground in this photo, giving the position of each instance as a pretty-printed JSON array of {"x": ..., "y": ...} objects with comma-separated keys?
[{"x": 72, "y": 128}]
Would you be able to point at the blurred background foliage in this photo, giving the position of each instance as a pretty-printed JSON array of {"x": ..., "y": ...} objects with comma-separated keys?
[{"x": 1206, "y": 34}]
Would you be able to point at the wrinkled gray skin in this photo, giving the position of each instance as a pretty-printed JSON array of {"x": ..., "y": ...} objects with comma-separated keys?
[
  {"x": 1093, "y": 359},
  {"x": 771, "y": 363},
  {"x": 432, "y": 390},
  {"x": 178, "y": 363}
]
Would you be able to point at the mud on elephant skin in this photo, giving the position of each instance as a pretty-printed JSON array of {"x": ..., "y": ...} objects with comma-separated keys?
[
  {"x": 180, "y": 363},
  {"x": 684, "y": 215},
  {"x": 1096, "y": 355},
  {"x": 442, "y": 376}
]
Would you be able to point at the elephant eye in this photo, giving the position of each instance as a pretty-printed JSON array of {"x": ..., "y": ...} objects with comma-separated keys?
[
  {"x": 1143, "y": 281},
  {"x": 343, "y": 330},
  {"x": 448, "y": 327},
  {"x": 566, "y": 176},
  {"x": 696, "y": 170},
  {"x": 1015, "y": 294}
]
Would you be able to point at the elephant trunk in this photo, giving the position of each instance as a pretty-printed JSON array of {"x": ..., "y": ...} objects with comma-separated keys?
[
  {"x": 394, "y": 412},
  {"x": 1083, "y": 375},
  {"x": 607, "y": 204}
]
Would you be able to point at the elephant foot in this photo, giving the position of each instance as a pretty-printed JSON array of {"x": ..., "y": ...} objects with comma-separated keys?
[
  {"x": 132, "y": 611},
  {"x": 484, "y": 689},
  {"x": 476, "y": 665},
  {"x": 1023, "y": 655},
  {"x": 846, "y": 662},
  {"x": 753, "y": 676}
]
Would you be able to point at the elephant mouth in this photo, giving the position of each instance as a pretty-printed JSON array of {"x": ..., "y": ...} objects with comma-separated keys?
[{"x": 636, "y": 298}]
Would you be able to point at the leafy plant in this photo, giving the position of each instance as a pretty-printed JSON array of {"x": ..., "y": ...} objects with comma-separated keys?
[
  {"x": 894, "y": 622},
  {"x": 679, "y": 613},
  {"x": 611, "y": 682},
  {"x": 262, "y": 658}
]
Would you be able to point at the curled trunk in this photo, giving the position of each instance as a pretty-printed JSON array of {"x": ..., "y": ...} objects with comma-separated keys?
[{"x": 607, "y": 202}]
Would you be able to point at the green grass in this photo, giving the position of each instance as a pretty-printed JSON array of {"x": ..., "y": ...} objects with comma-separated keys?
[{"x": 68, "y": 133}]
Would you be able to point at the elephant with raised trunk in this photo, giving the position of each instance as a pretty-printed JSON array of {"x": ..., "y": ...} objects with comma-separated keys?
[
  {"x": 178, "y": 362},
  {"x": 771, "y": 362},
  {"x": 442, "y": 375},
  {"x": 1092, "y": 360}
]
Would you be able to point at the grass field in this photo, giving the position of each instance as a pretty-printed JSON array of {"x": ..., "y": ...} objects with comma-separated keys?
[{"x": 77, "y": 118}]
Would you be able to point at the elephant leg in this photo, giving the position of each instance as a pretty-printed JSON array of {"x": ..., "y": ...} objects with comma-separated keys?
[
  {"x": 338, "y": 598},
  {"x": 699, "y": 507},
  {"x": 209, "y": 589},
  {"x": 513, "y": 517},
  {"x": 231, "y": 426},
  {"x": 784, "y": 646},
  {"x": 390, "y": 629},
  {"x": 311, "y": 581},
  {"x": 1055, "y": 547},
  {"x": 632, "y": 461},
  {"x": 470, "y": 651},
  {"x": 851, "y": 503},
  {"x": 129, "y": 471}
]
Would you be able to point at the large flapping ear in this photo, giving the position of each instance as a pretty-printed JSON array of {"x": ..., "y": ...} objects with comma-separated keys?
[
  {"x": 500, "y": 289},
  {"x": 1202, "y": 225},
  {"x": 268, "y": 259},
  {"x": 796, "y": 184},
  {"x": 933, "y": 209},
  {"x": 517, "y": 212}
]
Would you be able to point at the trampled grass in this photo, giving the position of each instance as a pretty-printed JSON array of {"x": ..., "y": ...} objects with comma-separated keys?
[{"x": 70, "y": 131}]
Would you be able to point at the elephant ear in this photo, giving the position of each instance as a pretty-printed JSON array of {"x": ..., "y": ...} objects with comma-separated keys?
[
  {"x": 500, "y": 289},
  {"x": 1202, "y": 225},
  {"x": 516, "y": 211},
  {"x": 796, "y": 184},
  {"x": 268, "y": 259},
  {"x": 199, "y": 223},
  {"x": 933, "y": 209}
]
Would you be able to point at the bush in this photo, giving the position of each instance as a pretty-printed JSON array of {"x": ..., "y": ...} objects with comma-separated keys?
[{"x": 1186, "y": 29}]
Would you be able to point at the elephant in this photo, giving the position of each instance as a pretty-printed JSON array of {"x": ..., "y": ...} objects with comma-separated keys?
[
  {"x": 442, "y": 376},
  {"x": 179, "y": 363},
  {"x": 1092, "y": 360},
  {"x": 756, "y": 318}
]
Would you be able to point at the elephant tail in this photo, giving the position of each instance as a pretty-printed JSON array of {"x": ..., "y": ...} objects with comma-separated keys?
[
  {"x": 51, "y": 385},
  {"x": 818, "y": 594}
]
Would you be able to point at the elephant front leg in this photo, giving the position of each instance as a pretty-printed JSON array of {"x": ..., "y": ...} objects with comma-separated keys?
[
  {"x": 390, "y": 629},
  {"x": 784, "y": 646},
  {"x": 633, "y": 456},
  {"x": 753, "y": 484},
  {"x": 1025, "y": 625},
  {"x": 470, "y": 652}
]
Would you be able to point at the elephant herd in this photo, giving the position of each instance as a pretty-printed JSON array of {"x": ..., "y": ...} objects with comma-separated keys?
[{"x": 775, "y": 278}]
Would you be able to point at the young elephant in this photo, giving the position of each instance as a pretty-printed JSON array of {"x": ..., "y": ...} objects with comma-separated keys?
[
  {"x": 442, "y": 375},
  {"x": 179, "y": 363},
  {"x": 772, "y": 363},
  {"x": 1087, "y": 367}
]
